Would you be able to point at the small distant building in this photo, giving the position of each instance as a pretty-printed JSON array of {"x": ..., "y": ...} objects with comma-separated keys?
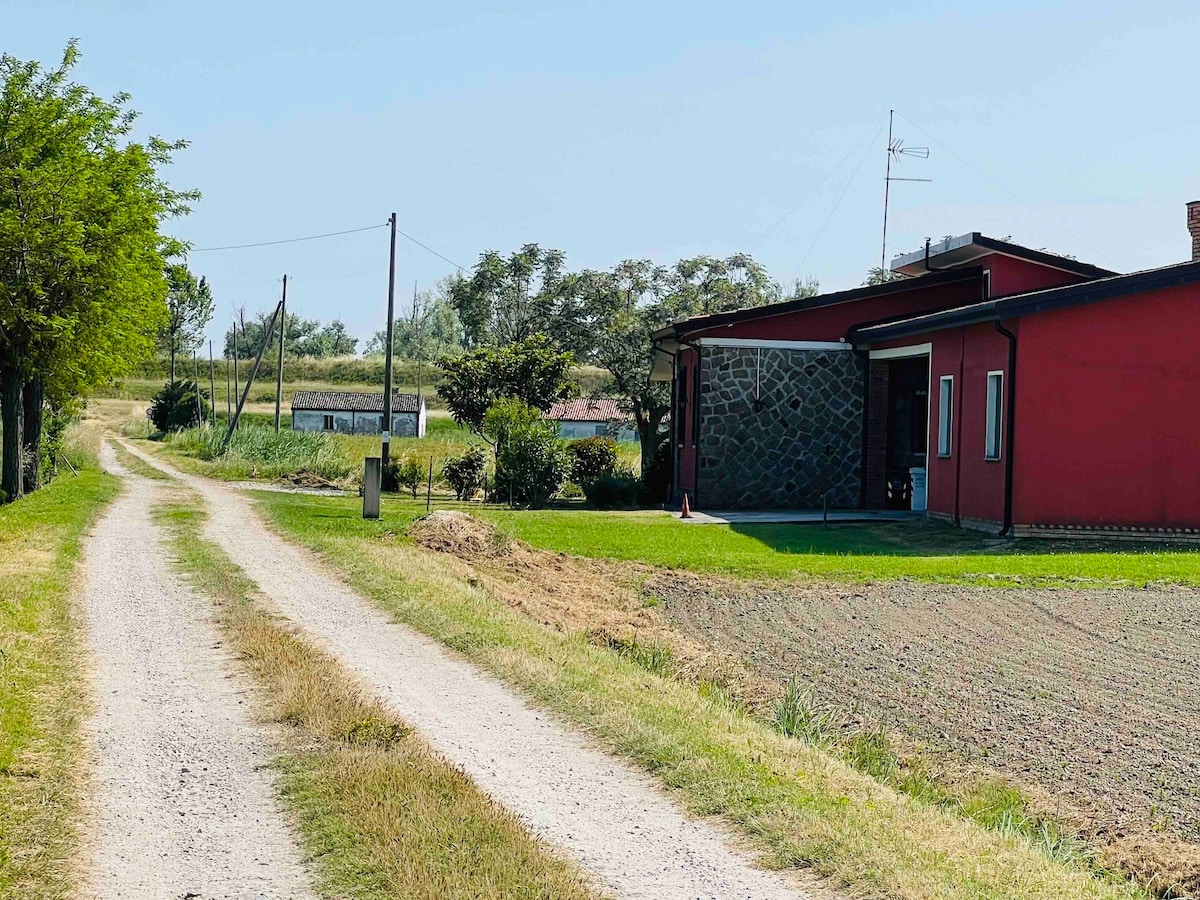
[
  {"x": 357, "y": 412},
  {"x": 591, "y": 417}
]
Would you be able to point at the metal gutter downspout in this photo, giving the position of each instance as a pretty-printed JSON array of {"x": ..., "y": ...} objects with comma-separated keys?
[{"x": 1011, "y": 431}]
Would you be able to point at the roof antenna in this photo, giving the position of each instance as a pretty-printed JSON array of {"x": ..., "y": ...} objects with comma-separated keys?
[{"x": 896, "y": 151}]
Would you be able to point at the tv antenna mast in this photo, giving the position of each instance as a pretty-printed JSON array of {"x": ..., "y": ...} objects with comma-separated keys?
[{"x": 896, "y": 151}]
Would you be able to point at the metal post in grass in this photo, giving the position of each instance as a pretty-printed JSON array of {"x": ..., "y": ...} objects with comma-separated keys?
[
  {"x": 212, "y": 385},
  {"x": 429, "y": 486},
  {"x": 372, "y": 486},
  {"x": 282, "y": 341}
]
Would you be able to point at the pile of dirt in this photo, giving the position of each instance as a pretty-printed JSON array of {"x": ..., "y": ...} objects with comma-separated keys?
[
  {"x": 307, "y": 479},
  {"x": 460, "y": 534}
]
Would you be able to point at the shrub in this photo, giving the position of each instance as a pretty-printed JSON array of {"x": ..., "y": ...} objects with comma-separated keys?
[
  {"x": 506, "y": 416},
  {"x": 593, "y": 458},
  {"x": 406, "y": 472},
  {"x": 616, "y": 490},
  {"x": 531, "y": 464},
  {"x": 179, "y": 405},
  {"x": 465, "y": 473}
]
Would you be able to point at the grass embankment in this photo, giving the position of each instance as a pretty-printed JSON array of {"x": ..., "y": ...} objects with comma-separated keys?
[
  {"x": 923, "y": 551},
  {"x": 43, "y": 690},
  {"x": 803, "y": 807},
  {"x": 380, "y": 815}
]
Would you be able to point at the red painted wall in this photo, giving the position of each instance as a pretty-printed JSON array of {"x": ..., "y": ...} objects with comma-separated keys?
[
  {"x": 1011, "y": 275},
  {"x": 1107, "y": 424}
]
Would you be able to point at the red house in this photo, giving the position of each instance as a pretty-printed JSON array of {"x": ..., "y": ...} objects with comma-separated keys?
[{"x": 996, "y": 386}]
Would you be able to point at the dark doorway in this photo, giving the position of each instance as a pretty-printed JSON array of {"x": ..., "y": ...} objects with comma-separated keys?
[{"x": 907, "y": 426}]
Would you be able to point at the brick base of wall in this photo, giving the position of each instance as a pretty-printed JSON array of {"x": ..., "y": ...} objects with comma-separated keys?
[{"x": 1081, "y": 532}]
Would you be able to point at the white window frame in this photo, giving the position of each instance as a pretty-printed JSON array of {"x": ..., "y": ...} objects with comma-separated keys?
[
  {"x": 993, "y": 436},
  {"x": 945, "y": 444},
  {"x": 987, "y": 283}
]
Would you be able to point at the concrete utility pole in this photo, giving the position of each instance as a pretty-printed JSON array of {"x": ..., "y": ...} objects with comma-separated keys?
[
  {"x": 282, "y": 337},
  {"x": 387, "y": 366},
  {"x": 237, "y": 413},
  {"x": 419, "y": 328}
]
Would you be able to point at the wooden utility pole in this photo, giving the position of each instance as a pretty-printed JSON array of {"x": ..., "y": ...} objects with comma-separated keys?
[
  {"x": 236, "y": 351},
  {"x": 387, "y": 366},
  {"x": 196, "y": 382},
  {"x": 237, "y": 413},
  {"x": 212, "y": 385},
  {"x": 282, "y": 337},
  {"x": 228, "y": 395}
]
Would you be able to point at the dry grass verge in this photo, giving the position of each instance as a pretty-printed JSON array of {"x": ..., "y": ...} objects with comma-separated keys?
[{"x": 380, "y": 814}]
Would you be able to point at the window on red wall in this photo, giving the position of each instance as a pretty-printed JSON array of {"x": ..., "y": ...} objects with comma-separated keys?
[
  {"x": 995, "y": 404},
  {"x": 945, "y": 414}
]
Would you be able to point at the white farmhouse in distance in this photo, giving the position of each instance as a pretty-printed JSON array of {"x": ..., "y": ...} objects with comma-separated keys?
[
  {"x": 591, "y": 417},
  {"x": 357, "y": 412}
]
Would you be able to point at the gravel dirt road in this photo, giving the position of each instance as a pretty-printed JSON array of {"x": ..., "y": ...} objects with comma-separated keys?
[
  {"x": 1091, "y": 695},
  {"x": 184, "y": 806},
  {"x": 614, "y": 821}
]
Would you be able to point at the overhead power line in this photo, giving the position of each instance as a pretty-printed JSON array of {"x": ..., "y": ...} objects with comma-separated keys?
[
  {"x": 310, "y": 237},
  {"x": 1001, "y": 187}
]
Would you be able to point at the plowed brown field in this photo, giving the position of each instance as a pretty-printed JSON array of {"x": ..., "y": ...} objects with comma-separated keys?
[{"x": 1090, "y": 695}]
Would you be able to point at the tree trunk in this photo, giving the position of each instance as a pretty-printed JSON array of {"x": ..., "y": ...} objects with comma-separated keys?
[
  {"x": 33, "y": 400},
  {"x": 13, "y": 424},
  {"x": 172, "y": 359}
]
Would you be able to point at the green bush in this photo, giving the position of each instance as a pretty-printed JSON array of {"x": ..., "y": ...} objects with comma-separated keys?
[
  {"x": 616, "y": 490},
  {"x": 407, "y": 473},
  {"x": 658, "y": 475},
  {"x": 465, "y": 473},
  {"x": 179, "y": 405},
  {"x": 531, "y": 464},
  {"x": 592, "y": 458}
]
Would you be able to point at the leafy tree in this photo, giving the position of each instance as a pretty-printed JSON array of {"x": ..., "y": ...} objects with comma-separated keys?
[
  {"x": 179, "y": 405},
  {"x": 879, "y": 275},
  {"x": 189, "y": 310},
  {"x": 531, "y": 371},
  {"x": 82, "y": 259},
  {"x": 465, "y": 473},
  {"x": 507, "y": 300},
  {"x": 404, "y": 473},
  {"x": 429, "y": 331},
  {"x": 620, "y": 309}
]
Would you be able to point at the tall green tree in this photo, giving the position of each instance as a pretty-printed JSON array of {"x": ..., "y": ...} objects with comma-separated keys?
[
  {"x": 620, "y": 309},
  {"x": 82, "y": 256},
  {"x": 532, "y": 371},
  {"x": 509, "y": 299},
  {"x": 189, "y": 310},
  {"x": 430, "y": 330}
]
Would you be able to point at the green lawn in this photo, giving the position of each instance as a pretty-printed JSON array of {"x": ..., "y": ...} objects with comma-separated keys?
[
  {"x": 42, "y": 687},
  {"x": 920, "y": 550}
]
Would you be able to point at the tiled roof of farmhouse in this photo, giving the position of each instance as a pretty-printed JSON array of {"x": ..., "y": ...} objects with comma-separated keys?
[
  {"x": 353, "y": 401},
  {"x": 585, "y": 409}
]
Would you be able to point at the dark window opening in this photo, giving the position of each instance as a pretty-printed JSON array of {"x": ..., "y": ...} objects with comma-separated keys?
[{"x": 328, "y": 423}]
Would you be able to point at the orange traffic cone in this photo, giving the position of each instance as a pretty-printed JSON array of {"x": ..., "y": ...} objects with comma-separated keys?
[{"x": 686, "y": 512}]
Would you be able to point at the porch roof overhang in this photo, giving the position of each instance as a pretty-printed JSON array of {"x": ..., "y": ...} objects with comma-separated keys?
[
  {"x": 1022, "y": 304},
  {"x": 668, "y": 340}
]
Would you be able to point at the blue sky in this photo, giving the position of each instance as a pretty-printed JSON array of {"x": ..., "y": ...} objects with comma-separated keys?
[{"x": 613, "y": 130}]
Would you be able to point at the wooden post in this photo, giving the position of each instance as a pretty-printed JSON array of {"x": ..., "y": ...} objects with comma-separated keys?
[
  {"x": 228, "y": 396},
  {"x": 237, "y": 413},
  {"x": 212, "y": 385},
  {"x": 282, "y": 337},
  {"x": 429, "y": 486},
  {"x": 196, "y": 382}
]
